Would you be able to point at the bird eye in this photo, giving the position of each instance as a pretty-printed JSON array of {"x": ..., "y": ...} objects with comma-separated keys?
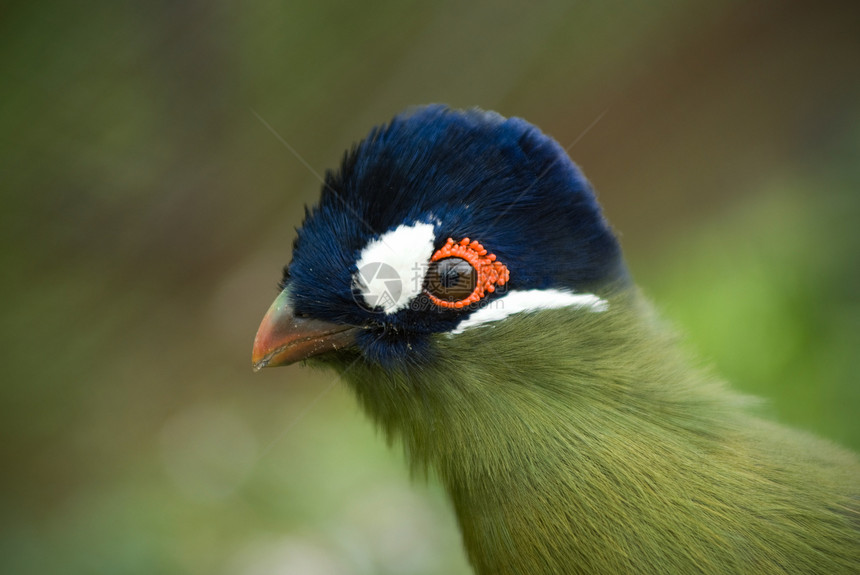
[
  {"x": 462, "y": 273},
  {"x": 451, "y": 279}
]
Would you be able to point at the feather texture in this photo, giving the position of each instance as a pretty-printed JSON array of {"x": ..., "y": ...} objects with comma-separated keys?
[
  {"x": 594, "y": 445},
  {"x": 574, "y": 439}
]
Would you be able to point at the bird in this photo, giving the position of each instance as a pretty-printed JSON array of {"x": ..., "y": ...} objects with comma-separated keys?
[{"x": 460, "y": 277}]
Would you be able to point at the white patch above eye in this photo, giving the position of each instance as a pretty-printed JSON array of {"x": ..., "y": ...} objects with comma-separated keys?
[
  {"x": 530, "y": 300},
  {"x": 390, "y": 269}
]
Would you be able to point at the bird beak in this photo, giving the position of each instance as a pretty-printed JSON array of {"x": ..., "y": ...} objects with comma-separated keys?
[{"x": 283, "y": 338}]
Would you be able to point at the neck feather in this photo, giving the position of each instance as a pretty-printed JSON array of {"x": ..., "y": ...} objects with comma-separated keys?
[{"x": 543, "y": 383}]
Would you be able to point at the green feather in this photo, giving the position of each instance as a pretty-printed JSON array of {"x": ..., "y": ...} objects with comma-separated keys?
[{"x": 573, "y": 441}]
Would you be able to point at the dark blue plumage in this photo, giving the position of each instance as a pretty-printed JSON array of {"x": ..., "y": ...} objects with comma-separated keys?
[{"x": 471, "y": 174}]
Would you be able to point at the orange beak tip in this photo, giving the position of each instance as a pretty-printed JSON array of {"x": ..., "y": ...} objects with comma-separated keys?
[{"x": 283, "y": 338}]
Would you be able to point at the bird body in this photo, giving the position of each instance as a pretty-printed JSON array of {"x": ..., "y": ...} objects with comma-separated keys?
[
  {"x": 572, "y": 431},
  {"x": 638, "y": 464}
]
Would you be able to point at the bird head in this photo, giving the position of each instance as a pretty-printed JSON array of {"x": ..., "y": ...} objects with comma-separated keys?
[{"x": 437, "y": 224}]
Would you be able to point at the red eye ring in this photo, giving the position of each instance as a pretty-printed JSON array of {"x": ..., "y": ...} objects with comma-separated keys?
[{"x": 491, "y": 273}]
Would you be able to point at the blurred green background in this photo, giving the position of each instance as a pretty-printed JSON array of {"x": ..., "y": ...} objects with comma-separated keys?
[{"x": 147, "y": 212}]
